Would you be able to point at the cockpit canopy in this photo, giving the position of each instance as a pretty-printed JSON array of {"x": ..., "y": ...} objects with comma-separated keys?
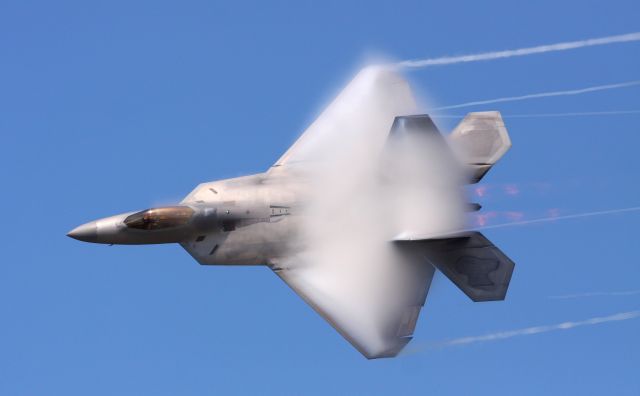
[{"x": 160, "y": 218}]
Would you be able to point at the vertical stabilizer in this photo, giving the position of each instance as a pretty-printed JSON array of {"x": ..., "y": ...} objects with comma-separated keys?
[{"x": 480, "y": 140}]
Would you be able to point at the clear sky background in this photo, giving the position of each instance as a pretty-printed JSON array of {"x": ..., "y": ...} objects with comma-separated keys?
[{"x": 114, "y": 106}]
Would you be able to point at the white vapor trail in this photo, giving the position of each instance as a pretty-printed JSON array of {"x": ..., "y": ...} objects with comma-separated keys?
[
  {"x": 550, "y": 219},
  {"x": 526, "y": 222},
  {"x": 596, "y": 294},
  {"x": 501, "y": 335},
  {"x": 543, "y": 95},
  {"x": 448, "y": 60},
  {"x": 573, "y": 114},
  {"x": 547, "y": 115}
]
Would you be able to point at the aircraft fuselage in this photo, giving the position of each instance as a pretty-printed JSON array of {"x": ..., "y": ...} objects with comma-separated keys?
[{"x": 248, "y": 220}]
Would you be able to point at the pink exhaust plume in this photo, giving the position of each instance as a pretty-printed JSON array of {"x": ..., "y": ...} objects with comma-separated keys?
[
  {"x": 483, "y": 219},
  {"x": 514, "y": 216},
  {"x": 553, "y": 212},
  {"x": 511, "y": 189},
  {"x": 480, "y": 191}
]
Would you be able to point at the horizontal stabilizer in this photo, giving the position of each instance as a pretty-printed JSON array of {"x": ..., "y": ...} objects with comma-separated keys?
[{"x": 471, "y": 262}]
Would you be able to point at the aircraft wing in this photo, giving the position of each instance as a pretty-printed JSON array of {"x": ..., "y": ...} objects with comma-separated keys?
[
  {"x": 376, "y": 314},
  {"x": 362, "y": 113}
]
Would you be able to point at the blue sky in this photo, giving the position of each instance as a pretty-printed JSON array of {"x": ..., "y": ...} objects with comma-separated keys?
[{"x": 116, "y": 106}]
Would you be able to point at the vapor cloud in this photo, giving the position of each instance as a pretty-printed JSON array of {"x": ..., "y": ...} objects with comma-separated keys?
[
  {"x": 569, "y": 45},
  {"x": 366, "y": 188},
  {"x": 543, "y": 95},
  {"x": 501, "y": 335}
]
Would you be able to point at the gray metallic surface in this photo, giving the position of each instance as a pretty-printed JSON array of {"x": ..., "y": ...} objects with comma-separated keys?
[
  {"x": 86, "y": 232},
  {"x": 480, "y": 140},
  {"x": 471, "y": 262}
]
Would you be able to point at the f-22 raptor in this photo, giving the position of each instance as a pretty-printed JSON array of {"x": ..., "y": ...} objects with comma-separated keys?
[{"x": 257, "y": 219}]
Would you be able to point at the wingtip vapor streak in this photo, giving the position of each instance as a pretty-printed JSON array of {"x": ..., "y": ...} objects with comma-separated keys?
[{"x": 254, "y": 220}]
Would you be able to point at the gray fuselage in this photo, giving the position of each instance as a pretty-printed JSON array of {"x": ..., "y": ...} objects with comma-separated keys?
[{"x": 249, "y": 220}]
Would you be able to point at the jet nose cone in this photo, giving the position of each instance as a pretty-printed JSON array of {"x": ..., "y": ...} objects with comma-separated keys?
[{"x": 86, "y": 232}]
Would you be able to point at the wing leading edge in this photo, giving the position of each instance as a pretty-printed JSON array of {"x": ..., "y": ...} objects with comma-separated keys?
[{"x": 362, "y": 112}]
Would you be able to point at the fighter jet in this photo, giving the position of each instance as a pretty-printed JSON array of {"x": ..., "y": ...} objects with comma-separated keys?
[{"x": 372, "y": 295}]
